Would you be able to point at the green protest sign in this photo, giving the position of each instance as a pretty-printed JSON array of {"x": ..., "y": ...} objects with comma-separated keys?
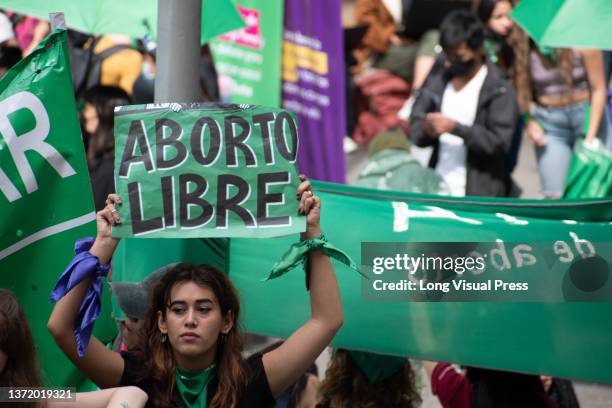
[
  {"x": 206, "y": 170},
  {"x": 45, "y": 196},
  {"x": 248, "y": 60}
]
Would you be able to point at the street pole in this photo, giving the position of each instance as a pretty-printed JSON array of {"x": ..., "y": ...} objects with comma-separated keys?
[{"x": 178, "y": 51}]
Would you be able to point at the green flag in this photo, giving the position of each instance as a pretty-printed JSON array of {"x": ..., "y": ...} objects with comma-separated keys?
[
  {"x": 509, "y": 335},
  {"x": 567, "y": 23},
  {"x": 45, "y": 194},
  {"x": 43, "y": 174},
  {"x": 135, "y": 18},
  {"x": 206, "y": 170}
]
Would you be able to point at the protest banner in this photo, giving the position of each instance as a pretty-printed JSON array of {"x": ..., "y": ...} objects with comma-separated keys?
[
  {"x": 248, "y": 60},
  {"x": 507, "y": 335},
  {"x": 45, "y": 196},
  {"x": 313, "y": 85},
  {"x": 206, "y": 170}
]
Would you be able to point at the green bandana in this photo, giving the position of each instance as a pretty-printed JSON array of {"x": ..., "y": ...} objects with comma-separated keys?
[
  {"x": 192, "y": 385},
  {"x": 298, "y": 254},
  {"x": 377, "y": 367},
  {"x": 492, "y": 46}
]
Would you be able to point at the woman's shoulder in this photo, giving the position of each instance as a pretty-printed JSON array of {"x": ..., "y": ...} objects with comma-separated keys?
[
  {"x": 134, "y": 371},
  {"x": 257, "y": 392}
]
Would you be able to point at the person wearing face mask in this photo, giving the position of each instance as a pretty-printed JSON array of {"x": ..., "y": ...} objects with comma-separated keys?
[
  {"x": 144, "y": 87},
  {"x": 468, "y": 112}
]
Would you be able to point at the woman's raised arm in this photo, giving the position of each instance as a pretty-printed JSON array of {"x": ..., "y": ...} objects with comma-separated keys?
[
  {"x": 284, "y": 365},
  {"x": 102, "y": 365}
]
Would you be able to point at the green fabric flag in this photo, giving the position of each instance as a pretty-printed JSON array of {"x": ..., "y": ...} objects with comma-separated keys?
[
  {"x": 567, "y": 23},
  {"x": 206, "y": 170},
  {"x": 521, "y": 336},
  {"x": 135, "y": 18},
  {"x": 590, "y": 172},
  {"x": 45, "y": 194},
  {"x": 248, "y": 61}
]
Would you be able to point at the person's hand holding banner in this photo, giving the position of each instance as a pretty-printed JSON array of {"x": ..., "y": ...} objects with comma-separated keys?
[{"x": 206, "y": 171}]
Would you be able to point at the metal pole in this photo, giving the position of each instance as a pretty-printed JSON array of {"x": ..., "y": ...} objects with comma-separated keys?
[{"x": 178, "y": 51}]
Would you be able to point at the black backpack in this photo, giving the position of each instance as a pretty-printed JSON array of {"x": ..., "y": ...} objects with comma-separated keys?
[{"x": 86, "y": 66}]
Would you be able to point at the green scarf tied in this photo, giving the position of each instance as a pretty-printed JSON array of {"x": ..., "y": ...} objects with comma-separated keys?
[
  {"x": 493, "y": 46},
  {"x": 298, "y": 254},
  {"x": 192, "y": 386}
]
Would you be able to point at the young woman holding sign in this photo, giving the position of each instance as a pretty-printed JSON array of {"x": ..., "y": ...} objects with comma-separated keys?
[{"x": 191, "y": 354}]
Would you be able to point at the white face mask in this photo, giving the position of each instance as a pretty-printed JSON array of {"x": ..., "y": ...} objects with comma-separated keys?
[{"x": 146, "y": 70}]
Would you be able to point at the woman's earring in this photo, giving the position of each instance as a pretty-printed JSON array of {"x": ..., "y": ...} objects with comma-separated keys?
[{"x": 164, "y": 337}]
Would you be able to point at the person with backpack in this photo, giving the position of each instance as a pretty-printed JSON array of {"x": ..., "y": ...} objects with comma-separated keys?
[{"x": 108, "y": 60}]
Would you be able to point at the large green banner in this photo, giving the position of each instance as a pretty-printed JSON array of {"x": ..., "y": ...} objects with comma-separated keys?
[
  {"x": 41, "y": 152},
  {"x": 511, "y": 335},
  {"x": 248, "y": 60},
  {"x": 45, "y": 195},
  {"x": 206, "y": 170}
]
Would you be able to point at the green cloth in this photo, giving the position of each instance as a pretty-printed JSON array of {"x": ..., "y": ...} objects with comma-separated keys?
[
  {"x": 192, "y": 385},
  {"x": 493, "y": 46},
  {"x": 400, "y": 59},
  {"x": 377, "y": 367},
  {"x": 298, "y": 254},
  {"x": 395, "y": 169},
  {"x": 389, "y": 139},
  {"x": 134, "y": 18},
  {"x": 352, "y": 215},
  {"x": 566, "y": 23},
  {"x": 590, "y": 172}
]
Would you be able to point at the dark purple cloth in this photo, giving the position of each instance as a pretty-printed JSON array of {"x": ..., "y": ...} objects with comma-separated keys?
[
  {"x": 84, "y": 265},
  {"x": 313, "y": 85}
]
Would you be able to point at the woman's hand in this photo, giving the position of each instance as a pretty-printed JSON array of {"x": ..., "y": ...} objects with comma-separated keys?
[
  {"x": 311, "y": 206},
  {"x": 107, "y": 217},
  {"x": 105, "y": 244},
  {"x": 535, "y": 132}
]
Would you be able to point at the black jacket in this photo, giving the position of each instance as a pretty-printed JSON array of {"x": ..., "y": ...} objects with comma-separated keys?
[{"x": 488, "y": 141}]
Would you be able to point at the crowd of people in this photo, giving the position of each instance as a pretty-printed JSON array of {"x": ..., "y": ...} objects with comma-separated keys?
[
  {"x": 469, "y": 83},
  {"x": 181, "y": 344},
  {"x": 477, "y": 84}
]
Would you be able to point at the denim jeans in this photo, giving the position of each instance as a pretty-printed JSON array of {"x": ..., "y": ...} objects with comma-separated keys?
[{"x": 562, "y": 127}]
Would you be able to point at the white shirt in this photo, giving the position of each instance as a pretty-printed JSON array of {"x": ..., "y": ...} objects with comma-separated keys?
[{"x": 461, "y": 106}]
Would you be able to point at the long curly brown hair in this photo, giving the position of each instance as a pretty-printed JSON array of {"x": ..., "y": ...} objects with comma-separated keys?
[
  {"x": 522, "y": 46},
  {"x": 21, "y": 369},
  {"x": 345, "y": 386},
  {"x": 160, "y": 365}
]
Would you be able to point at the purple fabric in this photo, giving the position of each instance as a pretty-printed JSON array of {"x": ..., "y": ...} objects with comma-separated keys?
[
  {"x": 313, "y": 85},
  {"x": 84, "y": 265}
]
